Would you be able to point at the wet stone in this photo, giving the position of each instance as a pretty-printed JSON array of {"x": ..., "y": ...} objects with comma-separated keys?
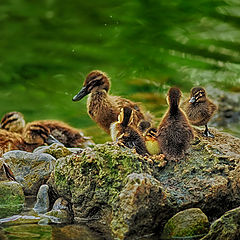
[{"x": 42, "y": 204}]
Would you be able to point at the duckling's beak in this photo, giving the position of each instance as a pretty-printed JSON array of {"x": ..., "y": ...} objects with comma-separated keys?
[
  {"x": 52, "y": 139},
  {"x": 192, "y": 100},
  {"x": 82, "y": 93}
]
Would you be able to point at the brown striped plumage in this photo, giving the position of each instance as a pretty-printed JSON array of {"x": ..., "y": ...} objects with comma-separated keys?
[
  {"x": 13, "y": 122},
  {"x": 124, "y": 133},
  {"x": 64, "y": 133},
  {"x": 174, "y": 131},
  {"x": 102, "y": 107},
  {"x": 199, "y": 109},
  {"x": 67, "y": 135},
  {"x": 33, "y": 136}
]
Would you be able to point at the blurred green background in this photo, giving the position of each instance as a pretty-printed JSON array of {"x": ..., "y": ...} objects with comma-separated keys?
[{"x": 47, "y": 48}]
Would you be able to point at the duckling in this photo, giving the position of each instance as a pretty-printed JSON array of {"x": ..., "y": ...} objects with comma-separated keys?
[
  {"x": 124, "y": 133},
  {"x": 174, "y": 131},
  {"x": 13, "y": 122},
  {"x": 102, "y": 107},
  {"x": 33, "y": 137},
  {"x": 150, "y": 137},
  {"x": 67, "y": 135},
  {"x": 64, "y": 133},
  {"x": 199, "y": 109},
  {"x": 151, "y": 141}
]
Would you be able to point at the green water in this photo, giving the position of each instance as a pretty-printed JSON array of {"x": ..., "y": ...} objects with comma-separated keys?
[{"x": 47, "y": 47}]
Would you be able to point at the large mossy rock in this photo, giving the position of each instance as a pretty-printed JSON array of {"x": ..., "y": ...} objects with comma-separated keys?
[
  {"x": 188, "y": 223},
  {"x": 11, "y": 198},
  {"x": 30, "y": 169},
  {"x": 227, "y": 227},
  {"x": 120, "y": 192}
]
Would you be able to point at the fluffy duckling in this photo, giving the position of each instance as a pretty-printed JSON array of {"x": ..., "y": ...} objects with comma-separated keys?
[
  {"x": 151, "y": 141},
  {"x": 64, "y": 133},
  {"x": 174, "y": 132},
  {"x": 13, "y": 122},
  {"x": 124, "y": 133},
  {"x": 102, "y": 107},
  {"x": 33, "y": 137},
  {"x": 199, "y": 109},
  {"x": 67, "y": 135},
  {"x": 150, "y": 137}
]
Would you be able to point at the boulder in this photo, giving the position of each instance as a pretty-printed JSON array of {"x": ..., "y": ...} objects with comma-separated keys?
[
  {"x": 227, "y": 227},
  {"x": 11, "y": 198},
  {"x": 60, "y": 212},
  {"x": 122, "y": 193},
  {"x": 191, "y": 222},
  {"x": 30, "y": 169}
]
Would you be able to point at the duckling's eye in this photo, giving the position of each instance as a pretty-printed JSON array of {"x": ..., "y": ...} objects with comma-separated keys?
[{"x": 93, "y": 84}]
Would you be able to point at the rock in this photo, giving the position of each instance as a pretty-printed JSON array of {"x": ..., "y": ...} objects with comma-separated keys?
[
  {"x": 228, "y": 107},
  {"x": 42, "y": 204},
  {"x": 139, "y": 200},
  {"x": 60, "y": 212},
  {"x": 11, "y": 198},
  {"x": 122, "y": 193},
  {"x": 188, "y": 223},
  {"x": 57, "y": 150},
  {"x": 227, "y": 227},
  {"x": 3, "y": 176},
  {"x": 74, "y": 232},
  {"x": 30, "y": 169}
]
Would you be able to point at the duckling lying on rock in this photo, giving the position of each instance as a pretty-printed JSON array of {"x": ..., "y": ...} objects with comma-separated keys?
[
  {"x": 199, "y": 109},
  {"x": 102, "y": 107},
  {"x": 67, "y": 135},
  {"x": 33, "y": 137},
  {"x": 123, "y": 133},
  {"x": 64, "y": 133},
  {"x": 174, "y": 131},
  {"x": 13, "y": 122}
]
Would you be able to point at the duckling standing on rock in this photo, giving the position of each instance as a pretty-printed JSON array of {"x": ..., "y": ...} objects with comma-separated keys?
[
  {"x": 199, "y": 109},
  {"x": 151, "y": 141},
  {"x": 124, "y": 133},
  {"x": 102, "y": 107},
  {"x": 13, "y": 122},
  {"x": 174, "y": 132}
]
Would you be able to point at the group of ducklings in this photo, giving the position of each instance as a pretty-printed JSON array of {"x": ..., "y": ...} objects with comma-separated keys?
[
  {"x": 127, "y": 124},
  {"x": 123, "y": 119},
  {"x": 15, "y": 134}
]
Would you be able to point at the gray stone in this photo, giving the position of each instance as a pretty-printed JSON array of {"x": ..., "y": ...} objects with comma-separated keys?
[
  {"x": 30, "y": 169},
  {"x": 42, "y": 204}
]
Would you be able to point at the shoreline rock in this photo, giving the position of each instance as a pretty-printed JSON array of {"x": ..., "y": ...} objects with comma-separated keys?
[{"x": 125, "y": 196}]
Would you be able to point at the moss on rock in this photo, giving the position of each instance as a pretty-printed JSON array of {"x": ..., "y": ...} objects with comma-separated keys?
[
  {"x": 188, "y": 223},
  {"x": 11, "y": 198}
]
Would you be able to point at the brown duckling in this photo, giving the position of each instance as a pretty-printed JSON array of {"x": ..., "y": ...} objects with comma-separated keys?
[
  {"x": 174, "y": 132},
  {"x": 102, "y": 107},
  {"x": 13, "y": 122},
  {"x": 33, "y": 137},
  {"x": 64, "y": 133},
  {"x": 124, "y": 133},
  {"x": 199, "y": 109},
  {"x": 67, "y": 135}
]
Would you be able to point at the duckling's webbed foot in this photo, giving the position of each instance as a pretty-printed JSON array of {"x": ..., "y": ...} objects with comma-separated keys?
[{"x": 206, "y": 133}]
